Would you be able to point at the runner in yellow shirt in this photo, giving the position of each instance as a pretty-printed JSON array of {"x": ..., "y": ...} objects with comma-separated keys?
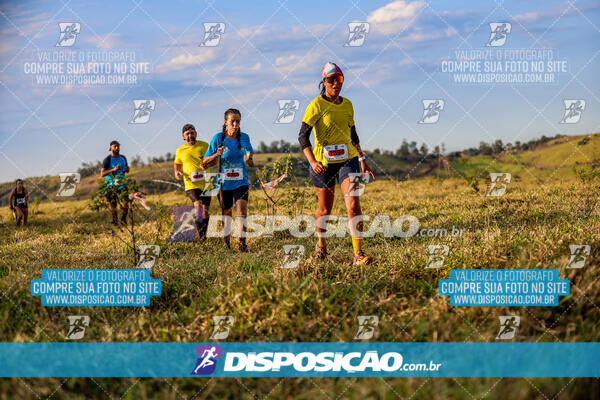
[
  {"x": 336, "y": 154},
  {"x": 188, "y": 167}
]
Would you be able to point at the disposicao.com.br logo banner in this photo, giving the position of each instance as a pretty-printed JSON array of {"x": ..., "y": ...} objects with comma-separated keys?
[{"x": 342, "y": 359}]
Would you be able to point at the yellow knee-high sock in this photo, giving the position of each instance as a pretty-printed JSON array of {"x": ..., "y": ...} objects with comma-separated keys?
[
  {"x": 320, "y": 239},
  {"x": 356, "y": 245}
]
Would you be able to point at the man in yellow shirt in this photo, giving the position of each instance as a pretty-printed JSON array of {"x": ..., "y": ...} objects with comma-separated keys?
[{"x": 188, "y": 167}]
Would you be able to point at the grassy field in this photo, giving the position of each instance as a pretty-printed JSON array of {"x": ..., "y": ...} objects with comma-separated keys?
[{"x": 530, "y": 227}]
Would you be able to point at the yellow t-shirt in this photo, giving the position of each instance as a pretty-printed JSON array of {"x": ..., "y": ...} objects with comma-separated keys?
[
  {"x": 191, "y": 159},
  {"x": 331, "y": 125}
]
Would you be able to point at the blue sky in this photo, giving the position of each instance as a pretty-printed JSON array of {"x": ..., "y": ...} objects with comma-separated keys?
[{"x": 275, "y": 50}]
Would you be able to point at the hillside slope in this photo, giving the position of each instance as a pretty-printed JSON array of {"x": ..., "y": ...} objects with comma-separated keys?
[{"x": 554, "y": 160}]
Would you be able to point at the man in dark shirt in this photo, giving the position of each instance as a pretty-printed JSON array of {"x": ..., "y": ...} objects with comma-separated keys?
[{"x": 114, "y": 168}]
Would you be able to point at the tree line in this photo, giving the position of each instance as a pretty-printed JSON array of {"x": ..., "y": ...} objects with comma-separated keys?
[{"x": 408, "y": 151}]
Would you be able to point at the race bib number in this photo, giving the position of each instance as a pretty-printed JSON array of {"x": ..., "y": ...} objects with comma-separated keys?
[
  {"x": 233, "y": 174},
  {"x": 21, "y": 201},
  {"x": 336, "y": 152},
  {"x": 196, "y": 176}
]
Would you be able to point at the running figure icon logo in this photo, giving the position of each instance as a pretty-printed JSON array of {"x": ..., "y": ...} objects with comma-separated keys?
[
  {"x": 207, "y": 359},
  {"x": 508, "y": 327},
  {"x": 358, "y": 182},
  {"x": 148, "y": 254},
  {"x": 212, "y": 34},
  {"x": 184, "y": 227},
  {"x": 499, "y": 33},
  {"x": 222, "y": 325},
  {"x": 366, "y": 326},
  {"x": 573, "y": 111},
  {"x": 142, "y": 110},
  {"x": 77, "y": 325},
  {"x": 431, "y": 111},
  {"x": 287, "y": 111},
  {"x": 68, "y": 184},
  {"x": 579, "y": 253},
  {"x": 358, "y": 33},
  {"x": 68, "y": 33},
  {"x": 499, "y": 182},
  {"x": 293, "y": 254},
  {"x": 437, "y": 255}
]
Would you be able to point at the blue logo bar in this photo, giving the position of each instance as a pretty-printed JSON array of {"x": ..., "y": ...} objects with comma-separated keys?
[{"x": 378, "y": 359}]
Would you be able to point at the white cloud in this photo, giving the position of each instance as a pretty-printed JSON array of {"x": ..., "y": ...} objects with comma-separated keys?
[
  {"x": 553, "y": 13},
  {"x": 243, "y": 68},
  {"x": 62, "y": 124},
  {"x": 528, "y": 17},
  {"x": 395, "y": 16},
  {"x": 27, "y": 27},
  {"x": 281, "y": 92},
  {"x": 184, "y": 61},
  {"x": 105, "y": 42},
  {"x": 293, "y": 63},
  {"x": 228, "y": 82}
]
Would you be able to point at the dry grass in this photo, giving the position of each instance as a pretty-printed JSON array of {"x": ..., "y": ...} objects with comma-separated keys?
[{"x": 530, "y": 227}]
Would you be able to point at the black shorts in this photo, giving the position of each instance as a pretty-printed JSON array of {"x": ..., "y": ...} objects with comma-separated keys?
[
  {"x": 231, "y": 196},
  {"x": 334, "y": 172},
  {"x": 112, "y": 196},
  {"x": 198, "y": 195}
]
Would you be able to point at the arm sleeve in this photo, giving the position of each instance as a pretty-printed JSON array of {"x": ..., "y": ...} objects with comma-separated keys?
[
  {"x": 304, "y": 135},
  {"x": 354, "y": 136},
  {"x": 106, "y": 163},
  {"x": 126, "y": 163},
  {"x": 177, "y": 159}
]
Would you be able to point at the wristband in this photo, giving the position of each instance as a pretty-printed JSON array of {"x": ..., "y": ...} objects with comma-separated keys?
[{"x": 363, "y": 158}]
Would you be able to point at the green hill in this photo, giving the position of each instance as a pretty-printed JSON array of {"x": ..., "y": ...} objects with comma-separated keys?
[{"x": 554, "y": 159}]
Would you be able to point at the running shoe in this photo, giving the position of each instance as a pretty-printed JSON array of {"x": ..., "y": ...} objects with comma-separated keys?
[
  {"x": 321, "y": 252},
  {"x": 362, "y": 259}
]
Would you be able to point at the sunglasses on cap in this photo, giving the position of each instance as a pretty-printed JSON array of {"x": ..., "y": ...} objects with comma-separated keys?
[{"x": 335, "y": 78}]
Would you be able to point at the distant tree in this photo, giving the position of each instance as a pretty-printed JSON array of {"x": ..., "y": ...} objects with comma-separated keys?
[
  {"x": 413, "y": 148},
  {"x": 136, "y": 161},
  {"x": 89, "y": 168},
  {"x": 262, "y": 147},
  {"x": 485, "y": 149},
  {"x": 424, "y": 150},
  {"x": 497, "y": 147},
  {"x": 403, "y": 150},
  {"x": 274, "y": 147}
]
